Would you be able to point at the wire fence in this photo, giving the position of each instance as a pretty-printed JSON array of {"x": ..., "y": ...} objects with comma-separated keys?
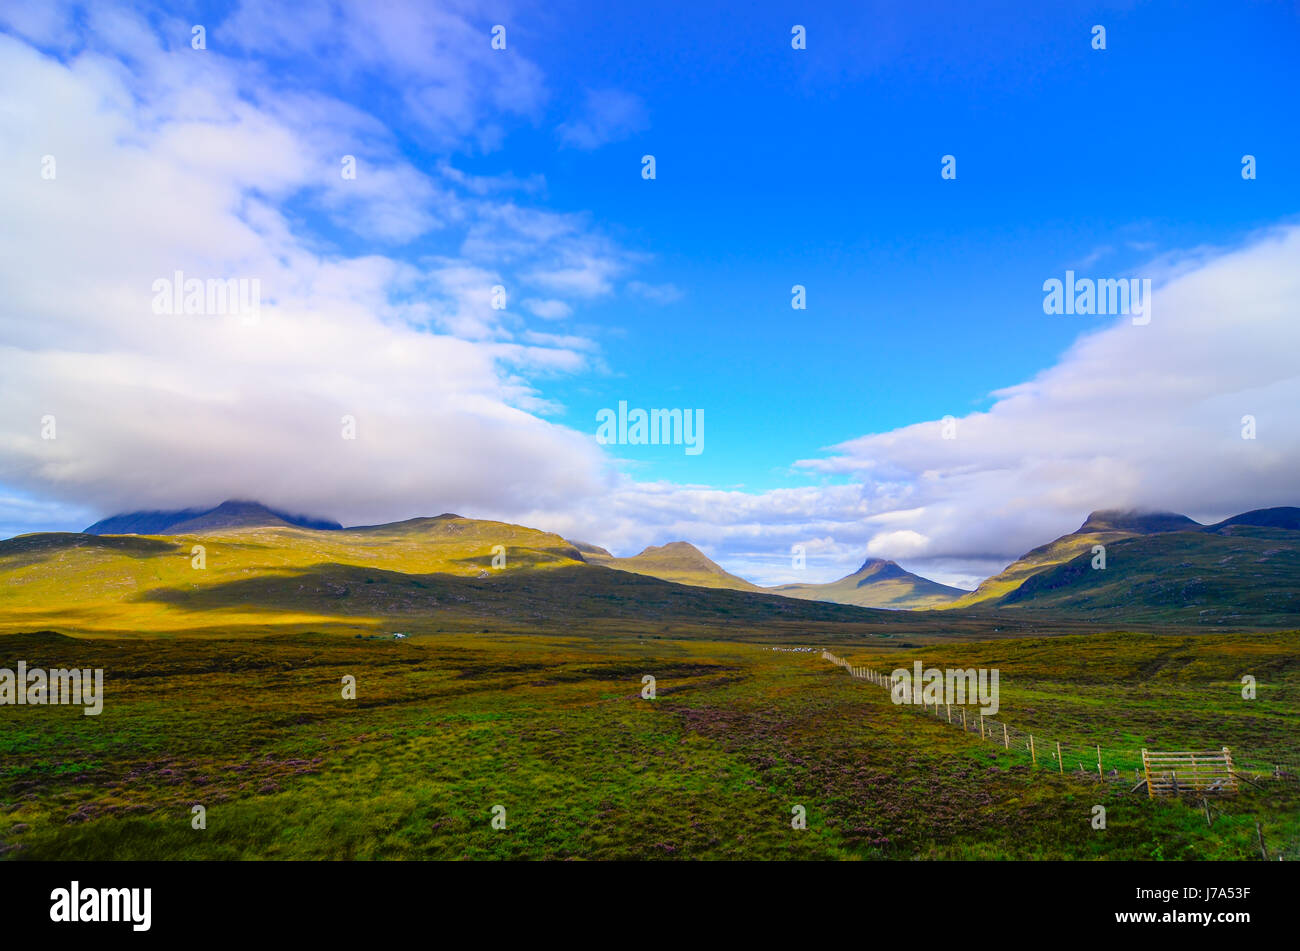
[{"x": 1071, "y": 757}]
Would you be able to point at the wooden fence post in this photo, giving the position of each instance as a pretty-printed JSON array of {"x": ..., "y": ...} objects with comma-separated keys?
[
  {"x": 1006, "y": 740},
  {"x": 1060, "y": 763},
  {"x": 1032, "y": 754},
  {"x": 981, "y": 726},
  {"x": 1099, "y": 776},
  {"x": 963, "y": 718},
  {"x": 949, "y": 706}
]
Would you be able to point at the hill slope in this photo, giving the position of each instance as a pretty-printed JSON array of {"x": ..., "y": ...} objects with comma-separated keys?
[
  {"x": 1159, "y": 567},
  {"x": 1099, "y": 528}
]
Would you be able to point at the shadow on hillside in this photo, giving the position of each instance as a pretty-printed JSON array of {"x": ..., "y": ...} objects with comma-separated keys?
[{"x": 568, "y": 599}]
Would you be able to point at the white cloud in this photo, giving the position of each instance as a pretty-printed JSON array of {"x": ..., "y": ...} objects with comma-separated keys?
[
  {"x": 548, "y": 309},
  {"x": 177, "y": 170},
  {"x": 901, "y": 544},
  {"x": 1131, "y": 416},
  {"x": 435, "y": 60},
  {"x": 656, "y": 293},
  {"x": 607, "y": 115}
]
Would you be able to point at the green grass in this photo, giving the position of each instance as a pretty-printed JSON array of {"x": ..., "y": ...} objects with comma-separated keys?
[{"x": 445, "y": 727}]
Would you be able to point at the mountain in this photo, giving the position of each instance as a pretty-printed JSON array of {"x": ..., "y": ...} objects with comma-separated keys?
[
  {"x": 1136, "y": 523},
  {"x": 1286, "y": 518},
  {"x": 681, "y": 562},
  {"x": 1159, "y": 567},
  {"x": 1102, "y": 527},
  {"x": 229, "y": 514},
  {"x": 877, "y": 584}
]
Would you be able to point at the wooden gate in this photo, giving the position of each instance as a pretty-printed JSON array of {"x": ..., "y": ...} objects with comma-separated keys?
[{"x": 1206, "y": 771}]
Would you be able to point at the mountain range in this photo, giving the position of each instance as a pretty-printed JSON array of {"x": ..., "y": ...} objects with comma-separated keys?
[
  {"x": 263, "y": 565},
  {"x": 877, "y": 584},
  {"x": 262, "y": 575}
]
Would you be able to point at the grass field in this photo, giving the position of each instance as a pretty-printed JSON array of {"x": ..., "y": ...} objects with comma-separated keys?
[{"x": 444, "y": 728}]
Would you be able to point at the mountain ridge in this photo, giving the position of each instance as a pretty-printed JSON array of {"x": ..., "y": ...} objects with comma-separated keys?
[{"x": 1158, "y": 561}]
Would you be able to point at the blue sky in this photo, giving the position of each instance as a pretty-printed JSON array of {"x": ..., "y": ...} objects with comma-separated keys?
[
  {"x": 821, "y": 167},
  {"x": 775, "y": 167},
  {"x": 779, "y": 167}
]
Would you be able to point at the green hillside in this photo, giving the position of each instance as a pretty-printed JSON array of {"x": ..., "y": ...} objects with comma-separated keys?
[
  {"x": 1159, "y": 568},
  {"x": 136, "y": 582}
]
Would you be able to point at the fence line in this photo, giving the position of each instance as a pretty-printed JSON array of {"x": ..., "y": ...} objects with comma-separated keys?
[{"x": 1091, "y": 760}]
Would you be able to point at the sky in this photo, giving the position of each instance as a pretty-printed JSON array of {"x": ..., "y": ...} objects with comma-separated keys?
[{"x": 134, "y": 145}]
